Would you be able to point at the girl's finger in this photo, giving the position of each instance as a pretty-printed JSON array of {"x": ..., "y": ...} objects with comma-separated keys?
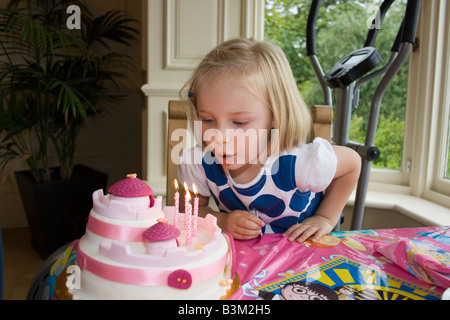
[{"x": 306, "y": 234}]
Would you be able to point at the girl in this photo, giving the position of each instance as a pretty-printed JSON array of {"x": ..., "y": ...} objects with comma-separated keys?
[{"x": 254, "y": 160}]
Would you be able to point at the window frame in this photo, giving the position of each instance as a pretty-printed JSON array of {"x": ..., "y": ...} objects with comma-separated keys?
[
  {"x": 440, "y": 184},
  {"x": 425, "y": 142},
  {"x": 425, "y": 127}
]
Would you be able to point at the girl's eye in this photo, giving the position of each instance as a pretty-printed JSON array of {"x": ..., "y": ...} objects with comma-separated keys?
[
  {"x": 207, "y": 120},
  {"x": 240, "y": 123}
]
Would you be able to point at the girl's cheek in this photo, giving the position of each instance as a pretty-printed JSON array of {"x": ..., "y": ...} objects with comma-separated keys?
[
  {"x": 206, "y": 137},
  {"x": 209, "y": 144},
  {"x": 208, "y": 141}
]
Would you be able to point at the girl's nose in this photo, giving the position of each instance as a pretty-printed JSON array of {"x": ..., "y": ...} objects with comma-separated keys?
[
  {"x": 223, "y": 134},
  {"x": 218, "y": 136}
]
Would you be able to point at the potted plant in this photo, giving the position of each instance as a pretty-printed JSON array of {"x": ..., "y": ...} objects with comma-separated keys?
[{"x": 52, "y": 78}]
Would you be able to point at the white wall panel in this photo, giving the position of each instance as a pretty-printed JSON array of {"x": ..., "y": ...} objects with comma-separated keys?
[{"x": 180, "y": 33}]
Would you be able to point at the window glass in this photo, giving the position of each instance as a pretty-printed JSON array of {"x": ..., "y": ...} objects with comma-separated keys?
[
  {"x": 447, "y": 163},
  {"x": 342, "y": 28}
]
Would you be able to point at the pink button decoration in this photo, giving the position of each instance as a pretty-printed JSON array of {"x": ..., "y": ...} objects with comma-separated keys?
[{"x": 180, "y": 279}]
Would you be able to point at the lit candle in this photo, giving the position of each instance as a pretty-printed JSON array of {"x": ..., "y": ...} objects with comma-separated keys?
[
  {"x": 177, "y": 204},
  {"x": 188, "y": 217},
  {"x": 187, "y": 198},
  {"x": 195, "y": 211}
]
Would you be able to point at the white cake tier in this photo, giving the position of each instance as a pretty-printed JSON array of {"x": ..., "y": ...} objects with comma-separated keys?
[
  {"x": 115, "y": 264},
  {"x": 96, "y": 288}
]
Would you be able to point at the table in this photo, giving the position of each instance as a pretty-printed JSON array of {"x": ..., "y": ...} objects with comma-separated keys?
[
  {"x": 388, "y": 264},
  {"x": 385, "y": 264}
]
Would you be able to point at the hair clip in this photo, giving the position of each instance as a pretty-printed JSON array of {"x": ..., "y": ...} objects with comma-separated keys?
[{"x": 190, "y": 94}]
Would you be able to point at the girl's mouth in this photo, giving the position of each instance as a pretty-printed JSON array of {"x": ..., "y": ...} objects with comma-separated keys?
[{"x": 226, "y": 158}]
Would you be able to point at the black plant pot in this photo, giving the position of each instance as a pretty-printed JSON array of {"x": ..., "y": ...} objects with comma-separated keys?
[{"x": 57, "y": 211}]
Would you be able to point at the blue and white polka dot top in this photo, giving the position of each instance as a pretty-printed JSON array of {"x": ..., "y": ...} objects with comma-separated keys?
[{"x": 288, "y": 188}]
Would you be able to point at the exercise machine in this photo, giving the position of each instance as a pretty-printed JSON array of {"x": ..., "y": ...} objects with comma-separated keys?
[{"x": 347, "y": 76}]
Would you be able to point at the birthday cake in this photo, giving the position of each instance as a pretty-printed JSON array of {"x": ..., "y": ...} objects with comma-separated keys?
[{"x": 135, "y": 249}]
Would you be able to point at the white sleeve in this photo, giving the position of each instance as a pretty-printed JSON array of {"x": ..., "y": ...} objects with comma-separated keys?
[
  {"x": 190, "y": 170},
  {"x": 315, "y": 166}
]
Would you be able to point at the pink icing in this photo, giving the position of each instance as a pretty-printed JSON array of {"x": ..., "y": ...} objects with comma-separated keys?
[
  {"x": 144, "y": 277},
  {"x": 115, "y": 231},
  {"x": 174, "y": 256}
]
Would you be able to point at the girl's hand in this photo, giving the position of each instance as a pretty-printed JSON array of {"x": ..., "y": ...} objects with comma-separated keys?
[
  {"x": 315, "y": 227},
  {"x": 242, "y": 225}
]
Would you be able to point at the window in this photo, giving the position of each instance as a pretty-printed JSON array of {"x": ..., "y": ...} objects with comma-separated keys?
[
  {"x": 415, "y": 117},
  {"x": 430, "y": 104},
  {"x": 341, "y": 29},
  {"x": 447, "y": 164},
  {"x": 444, "y": 157},
  {"x": 441, "y": 175}
]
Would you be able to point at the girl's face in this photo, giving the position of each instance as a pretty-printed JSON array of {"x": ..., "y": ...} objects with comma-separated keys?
[{"x": 235, "y": 126}]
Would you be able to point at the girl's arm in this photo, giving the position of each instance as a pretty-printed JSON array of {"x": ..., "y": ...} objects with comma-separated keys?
[
  {"x": 240, "y": 224},
  {"x": 335, "y": 198}
]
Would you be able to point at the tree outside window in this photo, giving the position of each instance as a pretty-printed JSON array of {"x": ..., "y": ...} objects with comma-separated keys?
[{"x": 342, "y": 28}]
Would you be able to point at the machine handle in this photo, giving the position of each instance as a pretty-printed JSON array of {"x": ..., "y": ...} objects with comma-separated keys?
[
  {"x": 410, "y": 22},
  {"x": 311, "y": 27},
  {"x": 397, "y": 42},
  {"x": 372, "y": 34}
]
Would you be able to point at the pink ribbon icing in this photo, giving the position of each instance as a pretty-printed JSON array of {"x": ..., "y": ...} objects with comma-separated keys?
[
  {"x": 145, "y": 277},
  {"x": 114, "y": 231}
]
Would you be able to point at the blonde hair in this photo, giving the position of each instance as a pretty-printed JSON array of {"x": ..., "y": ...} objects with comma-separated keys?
[{"x": 263, "y": 68}]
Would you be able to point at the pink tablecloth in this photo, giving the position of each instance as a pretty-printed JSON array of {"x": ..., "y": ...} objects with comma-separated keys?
[{"x": 389, "y": 264}]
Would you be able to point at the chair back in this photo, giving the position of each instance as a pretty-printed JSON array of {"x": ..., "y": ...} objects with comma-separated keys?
[{"x": 177, "y": 120}]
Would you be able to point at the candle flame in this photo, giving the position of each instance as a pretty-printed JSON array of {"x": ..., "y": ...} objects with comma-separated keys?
[
  {"x": 194, "y": 188},
  {"x": 175, "y": 182},
  {"x": 188, "y": 195},
  {"x": 185, "y": 186}
]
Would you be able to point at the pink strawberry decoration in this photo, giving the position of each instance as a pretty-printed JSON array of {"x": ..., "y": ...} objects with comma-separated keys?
[
  {"x": 161, "y": 231},
  {"x": 132, "y": 187}
]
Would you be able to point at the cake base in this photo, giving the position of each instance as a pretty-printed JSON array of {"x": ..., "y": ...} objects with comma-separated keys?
[{"x": 62, "y": 292}]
